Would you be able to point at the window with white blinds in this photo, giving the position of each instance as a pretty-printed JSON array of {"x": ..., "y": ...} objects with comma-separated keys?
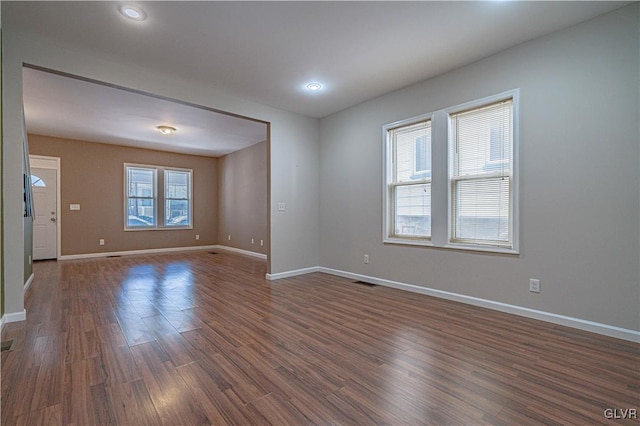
[
  {"x": 481, "y": 143},
  {"x": 409, "y": 180},
  {"x": 451, "y": 177}
]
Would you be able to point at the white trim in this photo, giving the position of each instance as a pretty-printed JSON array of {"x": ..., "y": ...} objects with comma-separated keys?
[
  {"x": 241, "y": 251},
  {"x": 28, "y": 283},
  {"x": 294, "y": 273},
  {"x": 133, "y": 252},
  {"x": 13, "y": 317},
  {"x": 580, "y": 324},
  {"x": 46, "y": 162}
]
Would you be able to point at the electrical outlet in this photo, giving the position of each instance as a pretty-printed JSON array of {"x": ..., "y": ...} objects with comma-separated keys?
[
  {"x": 261, "y": 243},
  {"x": 252, "y": 241},
  {"x": 197, "y": 236},
  {"x": 534, "y": 285},
  {"x": 29, "y": 260},
  {"x": 282, "y": 206},
  {"x": 229, "y": 237},
  {"x": 366, "y": 258},
  {"x": 101, "y": 242}
]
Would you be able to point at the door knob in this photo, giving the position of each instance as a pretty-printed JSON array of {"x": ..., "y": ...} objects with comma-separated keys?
[{"x": 53, "y": 219}]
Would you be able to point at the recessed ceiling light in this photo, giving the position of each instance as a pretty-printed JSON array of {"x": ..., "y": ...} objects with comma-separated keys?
[
  {"x": 166, "y": 130},
  {"x": 314, "y": 87},
  {"x": 133, "y": 12}
]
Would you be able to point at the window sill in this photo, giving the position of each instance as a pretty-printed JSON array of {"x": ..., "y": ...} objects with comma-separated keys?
[
  {"x": 167, "y": 228},
  {"x": 451, "y": 246}
]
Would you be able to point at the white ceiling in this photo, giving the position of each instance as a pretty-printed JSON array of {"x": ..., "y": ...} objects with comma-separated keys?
[
  {"x": 267, "y": 51},
  {"x": 66, "y": 107}
]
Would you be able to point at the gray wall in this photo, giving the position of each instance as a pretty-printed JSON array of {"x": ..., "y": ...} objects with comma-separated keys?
[
  {"x": 242, "y": 199},
  {"x": 579, "y": 177}
]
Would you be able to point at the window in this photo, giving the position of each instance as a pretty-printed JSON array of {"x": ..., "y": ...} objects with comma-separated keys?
[
  {"x": 37, "y": 181},
  {"x": 481, "y": 141},
  {"x": 143, "y": 208},
  {"x": 409, "y": 183},
  {"x": 177, "y": 198},
  {"x": 451, "y": 177}
]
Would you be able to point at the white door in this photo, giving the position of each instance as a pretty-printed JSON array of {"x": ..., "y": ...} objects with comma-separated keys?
[{"x": 44, "y": 186}]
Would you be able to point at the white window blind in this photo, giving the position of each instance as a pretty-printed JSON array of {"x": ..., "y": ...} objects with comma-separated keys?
[
  {"x": 481, "y": 142},
  {"x": 409, "y": 183}
]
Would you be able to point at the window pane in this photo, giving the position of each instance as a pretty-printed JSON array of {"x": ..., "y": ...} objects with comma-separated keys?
[
  {"x": 176, "y": 184},
  {"x": 177, "y": 198},
  {"x": 413, "y": 210},
  {"x": 140, "y": 182},
  {"x": 140, "y": 212},
  {"x": 37, "y": 181},
  {"x": 177, "y": 213},
  {"x": 413, "y": 152},
  {"x": 482, "y": 210},
  {"x": 483, "y": 139}
]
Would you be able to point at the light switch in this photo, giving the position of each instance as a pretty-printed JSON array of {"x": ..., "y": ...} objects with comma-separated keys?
[{"x": 74, "y": 206}]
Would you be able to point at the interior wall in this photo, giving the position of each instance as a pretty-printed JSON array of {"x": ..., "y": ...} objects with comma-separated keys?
[
  {"x": 579, "y": 177},
  {"x": 92, "y": 175},
  {"x": 293, "y": 149},
  {"x": 1, "y": 185},
  {"x": 242, "y": 199}
]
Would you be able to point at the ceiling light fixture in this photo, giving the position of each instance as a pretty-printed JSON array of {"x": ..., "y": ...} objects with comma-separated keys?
[
  {"x": 166, "y": 130},
  {"x": 314, "y": 87},
  {"x": 133, "y": 12}
]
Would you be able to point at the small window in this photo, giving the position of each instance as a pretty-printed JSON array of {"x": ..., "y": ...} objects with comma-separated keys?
[
  {"x": 157, "y": 197},
  {"x": 37, "y": 181},
  {"x": 177, "y": 198},
  {"x": 409, "y": 180},
  {"x": 141, "y": 197}
]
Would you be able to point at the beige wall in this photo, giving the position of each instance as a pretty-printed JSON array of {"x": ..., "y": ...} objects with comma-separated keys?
[
  {"x": 242, "y": 199},
  {"x": 92, "y": 175}
]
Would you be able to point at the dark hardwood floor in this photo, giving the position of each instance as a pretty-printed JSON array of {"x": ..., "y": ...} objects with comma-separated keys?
[{"x": 200, "y": 338}]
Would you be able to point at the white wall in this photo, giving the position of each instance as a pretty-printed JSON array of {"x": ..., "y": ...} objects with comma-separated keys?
[
  {"x": 579, "y": 172},
  {"x": 293, "y": 143}
]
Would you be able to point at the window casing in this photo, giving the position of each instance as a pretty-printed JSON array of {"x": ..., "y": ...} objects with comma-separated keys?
[
  {"x": 157, "y": 198},
  {"x": 466, "y": 176}
]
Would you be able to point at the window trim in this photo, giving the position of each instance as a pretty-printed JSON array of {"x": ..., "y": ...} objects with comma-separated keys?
[
  {"x": 159, "y": 198},
  {"x": 441, "y": 182}
]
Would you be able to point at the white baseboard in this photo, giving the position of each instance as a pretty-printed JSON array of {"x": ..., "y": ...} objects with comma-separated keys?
[
  {"x": 289, "y": 274},
  {"x": 241, "y": 251},
  {"x": 28, "y": 283},
  {"x": 594, "y": 327},
  {"x": 130, "y": 252},
  {"x": 13, "y": 317}
]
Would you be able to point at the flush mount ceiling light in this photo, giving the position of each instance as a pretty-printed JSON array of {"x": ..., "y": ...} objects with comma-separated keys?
[
  {"x": 314, "y": 87},
  {"x": 133, "y": 12},
  {"x": 166, "y": 130}
]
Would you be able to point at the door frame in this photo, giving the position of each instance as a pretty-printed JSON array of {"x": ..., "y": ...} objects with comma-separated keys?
[{"x": 45, "y": 162}]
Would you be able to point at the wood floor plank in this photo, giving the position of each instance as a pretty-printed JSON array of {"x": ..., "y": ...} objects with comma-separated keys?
[{"x": 195, "y": 338}]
